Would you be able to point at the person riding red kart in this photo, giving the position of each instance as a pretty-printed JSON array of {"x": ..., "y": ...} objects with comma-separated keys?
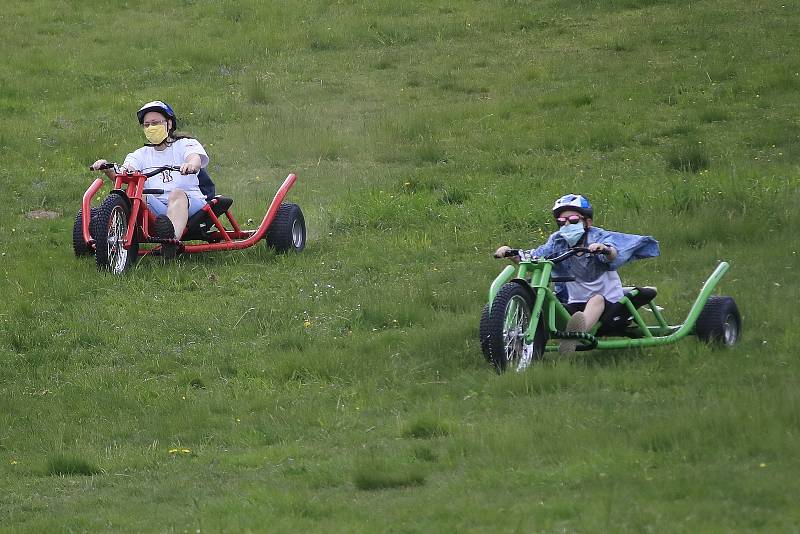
[{"x": 182, "y": 195}]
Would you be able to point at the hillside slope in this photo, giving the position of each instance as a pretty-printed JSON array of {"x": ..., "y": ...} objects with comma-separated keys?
[{"x": 344, "y": 389}]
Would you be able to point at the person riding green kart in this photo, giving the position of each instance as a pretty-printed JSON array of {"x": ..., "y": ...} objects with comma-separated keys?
[{"x": 595, "y": 288}]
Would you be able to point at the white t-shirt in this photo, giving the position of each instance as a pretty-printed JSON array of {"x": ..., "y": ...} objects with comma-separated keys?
[{"x": 147, "y": 158}]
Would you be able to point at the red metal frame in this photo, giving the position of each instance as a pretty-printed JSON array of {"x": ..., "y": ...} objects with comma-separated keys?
[
  {"x": 141, "y": 218},
  {"x": 86, "y": 208},
  {"x": 233, "y": 239}
]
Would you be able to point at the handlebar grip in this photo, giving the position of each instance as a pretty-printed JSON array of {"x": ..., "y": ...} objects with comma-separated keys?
[
  {"x": 152, "y": 191},
  {"x": 159, "y": 170},
  {"x": 102, "y": 167},
  {"x": 604, "y": 252},
  {"x": 508, "y": 253}
]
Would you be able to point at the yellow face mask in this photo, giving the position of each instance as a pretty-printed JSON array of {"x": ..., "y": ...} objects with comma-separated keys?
[{"x": 156, "y": 133}]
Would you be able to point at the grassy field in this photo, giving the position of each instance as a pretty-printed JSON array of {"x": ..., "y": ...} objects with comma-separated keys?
[{"x": 343, "y": 389}]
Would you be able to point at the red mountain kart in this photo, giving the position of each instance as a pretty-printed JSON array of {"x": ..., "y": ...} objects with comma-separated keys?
[{"x": 115, "y": 230}]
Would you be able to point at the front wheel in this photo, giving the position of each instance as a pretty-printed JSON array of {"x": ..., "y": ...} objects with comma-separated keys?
[
  {"x": 504, "y": 327},
  {"x": 287, "y": 231},
  {"x": 719, "y": 322},
  {"x": 483, "y": 333},
  {"x": 109, "y": 230}
]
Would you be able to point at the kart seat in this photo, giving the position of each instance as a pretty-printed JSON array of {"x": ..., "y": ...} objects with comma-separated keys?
[
  {"x": 206, "y": 184},
  {"x": 199, "y": 225},
  {"x": 645, "y": 295},
  {"x": 617, "y": 318}
]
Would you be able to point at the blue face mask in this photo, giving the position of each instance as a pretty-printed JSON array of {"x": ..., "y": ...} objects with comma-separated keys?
[{"x": 572, "y": 232}]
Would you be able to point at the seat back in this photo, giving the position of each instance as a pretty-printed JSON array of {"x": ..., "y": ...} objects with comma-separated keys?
[
  {"x": 207, "y": 187},
  {"x": 643, "y": 296}
]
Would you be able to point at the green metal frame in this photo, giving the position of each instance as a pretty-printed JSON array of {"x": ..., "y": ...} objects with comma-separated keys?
[{"x": 535, "y": 274}]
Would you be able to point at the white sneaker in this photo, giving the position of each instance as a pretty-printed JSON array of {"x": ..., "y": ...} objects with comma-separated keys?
[{"x": 576, "y": 323}]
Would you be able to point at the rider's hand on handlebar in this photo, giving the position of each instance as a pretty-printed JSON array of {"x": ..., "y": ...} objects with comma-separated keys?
[
  {"x": 503, "y": 252},
  {"x": 97, "y": 164},
  {"x": 599, "y": 248},
  {"x": 189, "y": 168},
  {"x": 110, "y": 169},
  {"x": 191, "y": 164}
]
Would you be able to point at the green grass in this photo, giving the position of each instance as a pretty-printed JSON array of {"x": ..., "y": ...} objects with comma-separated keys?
[
  {"x": 344, "y": 389},
  {"x": 69, "y": 465}
]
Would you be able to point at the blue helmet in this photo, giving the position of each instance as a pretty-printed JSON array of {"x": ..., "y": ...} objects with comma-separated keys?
[
  {"x": 161, "y": 107},
  {"x": 575, "y": 203}
]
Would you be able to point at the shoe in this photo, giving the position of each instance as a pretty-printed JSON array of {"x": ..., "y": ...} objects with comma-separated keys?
[
  {"x": 164, "y": 228},
  {"x": 576, "y": 323}
]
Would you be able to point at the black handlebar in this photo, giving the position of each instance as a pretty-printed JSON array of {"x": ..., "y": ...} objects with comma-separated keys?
[
  {"x": 153, "y": 172},
  {"x": 511, "y": 253},
  {"x": 161, "y": 169},
  {"x": 576, "y": 250},
  {"x": 103, "y": 167}
]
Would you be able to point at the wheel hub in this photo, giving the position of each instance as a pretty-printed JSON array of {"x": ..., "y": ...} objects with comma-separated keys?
[
  {"x": 514, "y": 333},
  {"x": 297, "y": 234},
  {"x": 730, "y": 330},
  {"x": 117, "y": 253}
]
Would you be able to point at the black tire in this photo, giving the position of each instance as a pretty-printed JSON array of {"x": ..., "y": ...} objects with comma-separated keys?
[
  {"x": 79, "y": 246},
  {"x": 483, "y": 333},
  {"x": 719, "y": 322},
  {"x": 109, "y": 229},
  {"x": 503, "y": 329},
  {"x": 287, "y": 231}
]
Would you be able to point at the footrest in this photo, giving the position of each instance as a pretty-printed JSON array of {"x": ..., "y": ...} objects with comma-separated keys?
[
  {"x": 163, "y": 240},
  {"x": 587, "y": 340}
]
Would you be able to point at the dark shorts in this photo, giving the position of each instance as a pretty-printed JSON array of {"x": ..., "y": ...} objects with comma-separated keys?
[
  {"x": 614, "y": 315},
  {"x": 573, "y": 307}
]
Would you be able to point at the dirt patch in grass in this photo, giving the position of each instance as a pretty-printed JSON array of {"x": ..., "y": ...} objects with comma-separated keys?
[{"x": 43, "y": 214}]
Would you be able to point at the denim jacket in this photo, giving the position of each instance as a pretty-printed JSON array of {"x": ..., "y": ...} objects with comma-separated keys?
[{"x": 589, "y": 267}]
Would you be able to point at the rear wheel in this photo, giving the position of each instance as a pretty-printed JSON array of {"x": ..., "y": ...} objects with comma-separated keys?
[
  {"x": 287, "y": 231},
  {"x": 719, "y": 322},
  {"x": 79, "y": 246},
  {"x": 109, "y": 229},
  {"x": 504, "y": 328}
]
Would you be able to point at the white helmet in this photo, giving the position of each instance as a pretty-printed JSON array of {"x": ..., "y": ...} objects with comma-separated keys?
[{"x": 575, "y": 203}]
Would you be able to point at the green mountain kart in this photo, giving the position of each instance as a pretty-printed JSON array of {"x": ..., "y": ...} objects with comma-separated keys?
[{"x": 524, "y": 313}]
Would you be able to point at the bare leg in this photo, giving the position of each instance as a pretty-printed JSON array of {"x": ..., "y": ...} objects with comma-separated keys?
[
  {"x": 178, "y": 210},
  {"x": 593, "y": 311},
  {"x": 582, "y": 322}
]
